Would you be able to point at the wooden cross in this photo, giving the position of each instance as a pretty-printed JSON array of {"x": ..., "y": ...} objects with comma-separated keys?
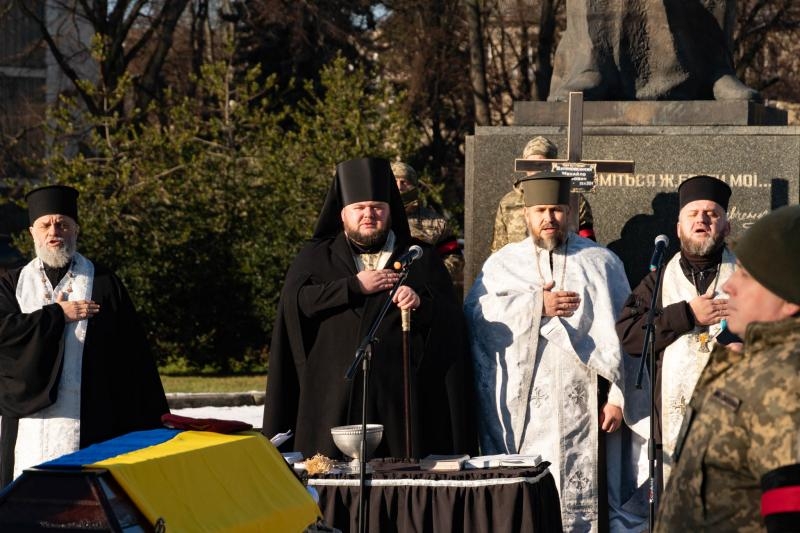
[{"x": 574, "y": 147}]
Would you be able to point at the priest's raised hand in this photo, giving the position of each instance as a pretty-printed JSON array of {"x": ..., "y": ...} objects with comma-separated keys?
[
  {"x": 559, "y": 303},
  {"x": 74, "y": 311},
  {"x": 707, "y": 308},
  {"x": 372, "y": 281}
]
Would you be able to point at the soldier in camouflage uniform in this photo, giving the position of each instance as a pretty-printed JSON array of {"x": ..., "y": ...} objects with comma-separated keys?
[
  {"x": 427, "y": 225},
  {"x": 509, "y": 223},
  {"x": 744, "y": 417}
]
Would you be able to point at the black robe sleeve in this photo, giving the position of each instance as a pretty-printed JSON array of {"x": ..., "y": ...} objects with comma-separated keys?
[
  {"x": 283, "y": 380},
  {"x": 318, "y": 298},
  {"x": 670, "y": 322},
  {"x": 30, "y": 352},
  {"x": 121, "y": 390}
]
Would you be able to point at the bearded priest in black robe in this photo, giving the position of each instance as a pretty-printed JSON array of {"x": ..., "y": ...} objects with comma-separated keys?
[
  {"x": 75, "y": 367},
  {"x": 333, "y": 291}
]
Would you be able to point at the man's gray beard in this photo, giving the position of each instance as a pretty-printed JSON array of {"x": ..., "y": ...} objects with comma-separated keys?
[
  {"x": 367, "y": 240},
  {"x": 57, "y": 257},
  {"x": 549, "y": 243},
  {"x": 704, "y": 248}
]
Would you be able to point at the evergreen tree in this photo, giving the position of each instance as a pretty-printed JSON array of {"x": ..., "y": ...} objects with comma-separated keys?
[{"x": 201, "y": 211}]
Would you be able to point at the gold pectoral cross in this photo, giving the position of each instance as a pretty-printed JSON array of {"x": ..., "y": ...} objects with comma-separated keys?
[{"x": 702, "y": 339}]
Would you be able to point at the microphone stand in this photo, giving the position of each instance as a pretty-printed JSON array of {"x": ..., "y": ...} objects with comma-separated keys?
[
  {"x": 363, "y": 356},
  {"x": 649, "y": 357}
]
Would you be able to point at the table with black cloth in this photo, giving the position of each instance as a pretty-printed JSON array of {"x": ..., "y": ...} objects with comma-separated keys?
[{"x": 401, "y": 497}]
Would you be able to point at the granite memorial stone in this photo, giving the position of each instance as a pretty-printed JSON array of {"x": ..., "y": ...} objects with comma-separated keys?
[{"x": 669, "y": 142}]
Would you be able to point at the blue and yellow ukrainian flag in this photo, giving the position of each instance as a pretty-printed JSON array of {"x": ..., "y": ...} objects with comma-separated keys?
[{"x": 201, "y": 481}]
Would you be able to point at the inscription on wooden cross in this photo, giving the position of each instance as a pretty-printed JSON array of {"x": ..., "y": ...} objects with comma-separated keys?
[{"x": 574, "y": 152}]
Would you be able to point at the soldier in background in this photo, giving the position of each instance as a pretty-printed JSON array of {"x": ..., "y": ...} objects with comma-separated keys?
[
  {"x": 744, "y": 418},
  {"x": 509, "y": 223},
  {"x": 427, "y": 225}
]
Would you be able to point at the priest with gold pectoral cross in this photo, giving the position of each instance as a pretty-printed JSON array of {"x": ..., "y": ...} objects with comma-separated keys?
[{"x": 692, "y": 306}]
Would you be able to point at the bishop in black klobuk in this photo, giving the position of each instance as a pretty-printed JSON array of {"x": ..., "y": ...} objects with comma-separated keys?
[{"x": 337, "y": 283}]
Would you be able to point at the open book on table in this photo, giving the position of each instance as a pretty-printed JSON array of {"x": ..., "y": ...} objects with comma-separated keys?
[{"x": 503, "y": 459}]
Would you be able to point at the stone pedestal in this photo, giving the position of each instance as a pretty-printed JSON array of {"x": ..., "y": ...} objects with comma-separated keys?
[{"x": 761, "y": 163}]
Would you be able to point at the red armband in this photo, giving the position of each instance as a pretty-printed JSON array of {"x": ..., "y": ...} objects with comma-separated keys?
[
  {"x": 587, "y": 233},
  {"x": 780, "y": 498},
  {"x": 449, "y": 246}
]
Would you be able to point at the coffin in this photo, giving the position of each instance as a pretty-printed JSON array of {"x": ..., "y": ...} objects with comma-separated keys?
[{"x": 162, "y": 480}]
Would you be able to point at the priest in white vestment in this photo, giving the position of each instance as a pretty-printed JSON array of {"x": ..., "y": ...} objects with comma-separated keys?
[
  {"x": 549, "y": 368},
  {"x": 691, "y": 306}
]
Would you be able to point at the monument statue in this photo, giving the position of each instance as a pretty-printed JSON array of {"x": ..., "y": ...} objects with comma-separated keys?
[{"x": 648, "y": 50}]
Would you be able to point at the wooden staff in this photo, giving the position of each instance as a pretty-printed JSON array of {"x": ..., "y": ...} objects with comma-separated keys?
[{"x": 406, "y": 321}]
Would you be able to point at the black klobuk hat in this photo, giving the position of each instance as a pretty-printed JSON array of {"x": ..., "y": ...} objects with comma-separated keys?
[{"x": 367, "y": 179}]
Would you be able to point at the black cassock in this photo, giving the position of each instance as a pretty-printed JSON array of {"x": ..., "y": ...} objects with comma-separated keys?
[
  {"x": 120, "y": 387},
  {"x": 322, "y": 319}
]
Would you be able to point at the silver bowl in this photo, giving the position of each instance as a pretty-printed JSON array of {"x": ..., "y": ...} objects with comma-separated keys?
[{"x": 348, "y": 439}]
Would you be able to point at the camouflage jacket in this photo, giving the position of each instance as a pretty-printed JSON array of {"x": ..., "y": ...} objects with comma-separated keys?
[
  {"x": 742, "y": 422},
  {"x": 425, "y": 223},
  {"x": 429, "y": 226},
  {"x": 509, "y": 222},
  {"x": 510, "y": 226}
]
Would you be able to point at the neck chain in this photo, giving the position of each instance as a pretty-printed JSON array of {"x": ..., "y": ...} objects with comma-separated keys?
[
  {"x": 49, "y": 296},
  {"x": 564, "y": 266},
  {"x": 716, "y": 279},
  {"x": 702, "y": 336}
]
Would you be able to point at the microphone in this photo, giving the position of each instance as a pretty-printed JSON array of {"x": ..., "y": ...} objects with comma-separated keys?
[
  {"x": 662, "y": 241},
  {"x": 414, "y": 252}
]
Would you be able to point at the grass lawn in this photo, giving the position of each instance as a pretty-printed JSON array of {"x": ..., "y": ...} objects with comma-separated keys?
[{"x": 214, "y": 383}]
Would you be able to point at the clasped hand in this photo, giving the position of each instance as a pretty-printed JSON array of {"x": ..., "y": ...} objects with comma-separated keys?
[
  {"x": 559, "y": 303},
  {"x": 372, "y": 281},
  {"x": 78, "y": 309},
  {"x": 707, "y": 310}
]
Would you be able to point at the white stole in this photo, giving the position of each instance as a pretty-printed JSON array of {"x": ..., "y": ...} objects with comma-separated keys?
[
  {"x": 55, "y": 430},
  {"x": 683, "y": 361}
]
